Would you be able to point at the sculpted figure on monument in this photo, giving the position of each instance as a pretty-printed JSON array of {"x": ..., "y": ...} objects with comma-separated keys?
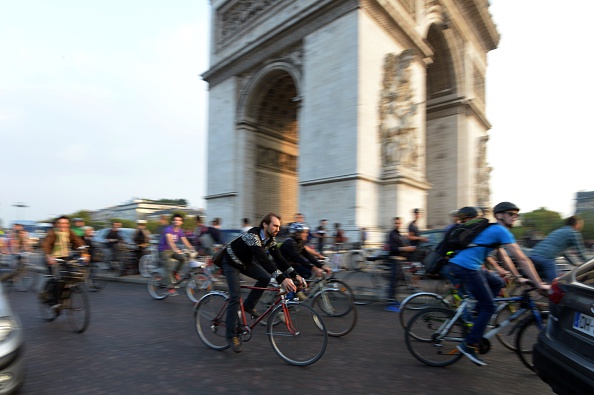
[
  {"x": 397, "y": 113},
  {"x": 483, "y": 191}
]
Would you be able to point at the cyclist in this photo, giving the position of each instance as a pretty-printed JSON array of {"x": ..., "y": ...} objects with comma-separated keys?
[
  {"x": 397, "y": 250},
  {"x": 18, "y": 243},
  {"x": 466, "y": 265},
  {"x": 112, "y": 239},
  {"x": 58, "y": 244},
  {"x": 294, "y": 251},
  {"x": 142, "y": 238},
  {"x": 173, "y": 239},
  {"x": 247, "y": 255},
  {"x": 543, "y": 255}
]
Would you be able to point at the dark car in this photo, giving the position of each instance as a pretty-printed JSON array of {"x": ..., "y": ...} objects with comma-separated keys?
[{"x": 564, "y": 354}]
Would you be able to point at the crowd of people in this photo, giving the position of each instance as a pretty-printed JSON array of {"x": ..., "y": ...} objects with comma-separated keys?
[{"x": 302, "y": 255}]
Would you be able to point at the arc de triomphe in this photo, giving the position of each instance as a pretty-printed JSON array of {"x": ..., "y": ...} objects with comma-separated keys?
[{"x": 351, "y": 110}]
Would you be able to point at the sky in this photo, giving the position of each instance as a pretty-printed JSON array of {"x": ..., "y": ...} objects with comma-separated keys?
[{"x": 101, "y": 101}]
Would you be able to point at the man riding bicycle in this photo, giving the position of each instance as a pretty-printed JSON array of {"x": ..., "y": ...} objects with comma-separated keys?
[
  {"x": 466, "y": 265},
  {"x": 294, "y": 251},
  {"x": 173, "y": 239},
  {"x": 59, "y": 244},
  {"x": 247, "y": 255}
]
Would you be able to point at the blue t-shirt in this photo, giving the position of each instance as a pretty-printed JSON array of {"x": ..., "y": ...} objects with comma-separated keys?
[{"x": 473, "y": 257}]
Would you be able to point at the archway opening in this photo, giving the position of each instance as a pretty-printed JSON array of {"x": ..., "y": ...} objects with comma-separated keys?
[{"x": 277, "y": 146}]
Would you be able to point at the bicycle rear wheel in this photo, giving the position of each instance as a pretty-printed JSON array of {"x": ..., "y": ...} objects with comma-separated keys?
[
  {"x": 77, "y": 309},
  {"x": 426, "y": 340},
  {"x": 25, "y": 278},
  {"x": 337, "y": 310},
  {"x": 528, "y": 331},
  {"x": 197, "y": 286},
  {"x": 210, "y": 316},
  {"x": 413, "y": 303},
  {"x": 364, "y": 285},
  {"x": 301, "y": 338},
  {"x": 147, "y": 265},
  {"x": 157, "y": 286}
]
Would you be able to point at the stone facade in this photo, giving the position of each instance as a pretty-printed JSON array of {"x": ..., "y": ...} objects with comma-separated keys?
[{"x": 351, "y": 110}]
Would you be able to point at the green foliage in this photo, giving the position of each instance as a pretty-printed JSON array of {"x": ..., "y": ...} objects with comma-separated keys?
[
  {"x": 176, "y": 202},
  {"x": 541, "y": 220}
]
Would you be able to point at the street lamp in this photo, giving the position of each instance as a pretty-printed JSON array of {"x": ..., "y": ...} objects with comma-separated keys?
[{"x": 20, "y": 205}]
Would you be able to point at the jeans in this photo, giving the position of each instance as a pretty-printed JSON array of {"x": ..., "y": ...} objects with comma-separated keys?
[
  {"x": 395, "y": 270},
  {"x": 231, "y": 273},
  {"x": 483, "y": 286},
  {"x": 546, "y": 268}
]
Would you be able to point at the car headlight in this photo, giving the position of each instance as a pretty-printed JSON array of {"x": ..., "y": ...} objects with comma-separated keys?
[{"x": 7, "y": 325}]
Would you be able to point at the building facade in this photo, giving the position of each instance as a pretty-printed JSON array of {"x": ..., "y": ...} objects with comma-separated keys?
[{"x": 351, "y": 110}]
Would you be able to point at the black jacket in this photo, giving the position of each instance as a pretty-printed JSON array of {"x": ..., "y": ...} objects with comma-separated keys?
[
  {"x": 250, "y": 246},
  {"x": 295, "y": 252}
]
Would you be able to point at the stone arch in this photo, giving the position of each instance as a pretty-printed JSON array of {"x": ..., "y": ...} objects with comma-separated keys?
[
  {"x": 442, "y": 125},
  {"x": 268, "y": 110}
]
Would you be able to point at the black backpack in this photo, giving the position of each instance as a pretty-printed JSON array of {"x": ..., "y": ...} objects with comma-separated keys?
[
  {"x": 456, "y": 239},
  {"x": 462, "y": 235}
]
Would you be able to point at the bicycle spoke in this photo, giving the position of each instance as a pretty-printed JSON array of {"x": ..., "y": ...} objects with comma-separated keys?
[
  {"x": 301, "y": 338},
  {"x": 210, "y": 317}
]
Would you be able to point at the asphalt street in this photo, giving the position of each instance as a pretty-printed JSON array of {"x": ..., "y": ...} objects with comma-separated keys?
[{"x": 137, "y": 345}]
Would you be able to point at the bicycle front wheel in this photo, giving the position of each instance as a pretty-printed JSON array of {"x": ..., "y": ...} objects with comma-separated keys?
[
  {"x": 25, "y": 278},
  {"x": 364, "y": 286},
  {"x": 210, "y": 316},
  {"x": 78, "y": 309},
  {"x": 428, "y": 340},
  {"x": 337, "y": 310},
  {"x": 147, "y": 265},
  {"x": 528, "y": 331},
  {"x": 157, "y": 286},
  {"x": 413, "y": 303},
  {"x": 301, "y": 338},
  {"x": 198, "y": 285}
]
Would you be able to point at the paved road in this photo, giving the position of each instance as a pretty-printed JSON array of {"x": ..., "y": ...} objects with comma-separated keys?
[{"x": 136, "y": 345}]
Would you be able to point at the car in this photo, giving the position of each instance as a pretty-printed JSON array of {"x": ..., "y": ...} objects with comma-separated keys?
[
  {"x": 12, "y": 362},
  {"x": 563, "y": 355}
]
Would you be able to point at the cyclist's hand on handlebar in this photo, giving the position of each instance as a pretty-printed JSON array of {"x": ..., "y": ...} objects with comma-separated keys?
[
  {"x": 301, "y": 281},
  {"x": 289, "y": 285},
  {"x": 317, "y": 271},
  {"x": 327, "y": 269}
]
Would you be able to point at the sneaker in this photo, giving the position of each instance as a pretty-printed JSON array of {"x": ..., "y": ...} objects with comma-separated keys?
[
  {"x": 392, "y": 302},
  {"x": 471, "y": 353},
  {"x": 235, "y": 344},
  {"x": 177, "y": 276},
  {"x": 392, "y": 308},
  {"x": 253, "y": 312},
  {"x": 173, "y": 292},
  {"x": 56, "y": 307}
]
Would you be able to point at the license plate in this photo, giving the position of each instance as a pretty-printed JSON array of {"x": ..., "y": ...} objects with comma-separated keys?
[{"x": 584, "y": 323}]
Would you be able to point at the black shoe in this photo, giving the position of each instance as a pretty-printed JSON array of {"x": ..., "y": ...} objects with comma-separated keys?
[
  {"x": 253, "y": 312},
  {"x": 235, "y": 344}
]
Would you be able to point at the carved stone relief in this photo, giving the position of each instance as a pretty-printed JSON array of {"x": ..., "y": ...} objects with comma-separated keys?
[
  {"x": 398, "y": 114},
  {"x": 483, "y": 176},
  {"x": 478, "y": 83},
  {"x": 272, "y": 159},
  {"x": 235, "y": 16}
]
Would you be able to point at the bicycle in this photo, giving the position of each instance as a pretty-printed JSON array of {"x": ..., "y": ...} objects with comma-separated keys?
[
  {"x": 23, "y": 276},
  {"x": 370, "y": 283},
  {"x": 432, "y": 334},
  {"x": 452, "y": 298},
  {"x": 331, "y": 298},
  {"x": 296, "y": 332},
  {"x": 198, "y": 278},
  {"x": 93, "y": 279},
  {"x": 149, "y": 262},
  {"x": 73, "y": 298}
]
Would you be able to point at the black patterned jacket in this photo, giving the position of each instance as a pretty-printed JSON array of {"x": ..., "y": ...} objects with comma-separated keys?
[{"x": 250, "y": 246}]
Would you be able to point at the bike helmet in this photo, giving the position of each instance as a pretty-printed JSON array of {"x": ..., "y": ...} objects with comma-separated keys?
[
  {"x": 467, "y": 213},
  {"x": 298, "y": 227},
  {"x": 505, "y": 206}
]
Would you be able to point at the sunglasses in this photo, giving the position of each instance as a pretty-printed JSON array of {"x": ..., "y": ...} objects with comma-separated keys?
[{"x": 512, "y": 213}]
